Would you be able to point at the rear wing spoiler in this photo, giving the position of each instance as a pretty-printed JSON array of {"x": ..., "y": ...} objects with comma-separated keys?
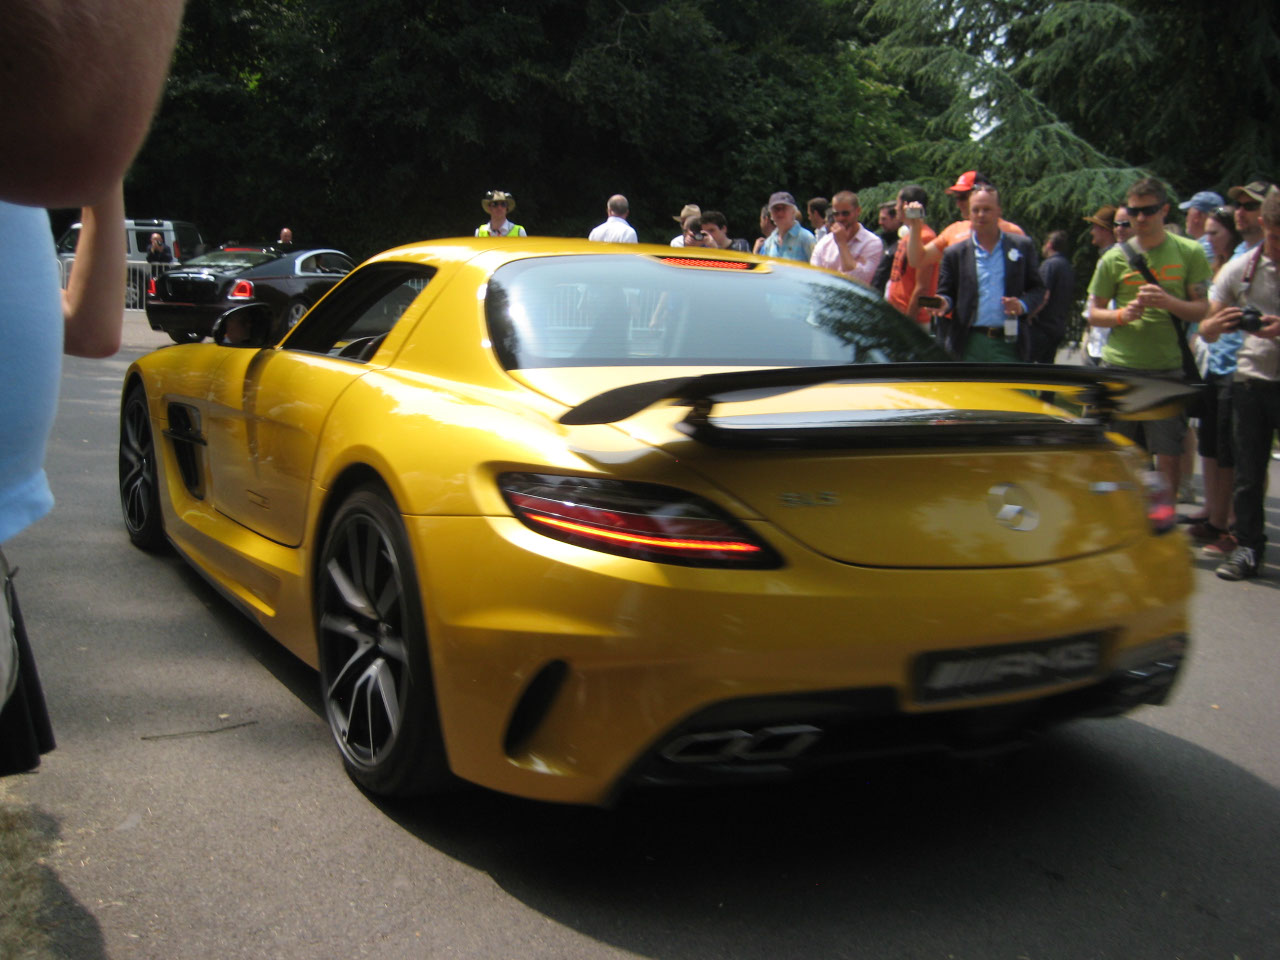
[{"x": 1101, "y": 395}]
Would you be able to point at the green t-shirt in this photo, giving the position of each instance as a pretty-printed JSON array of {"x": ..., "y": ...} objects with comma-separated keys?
[{"x": 1151, "y": 342}]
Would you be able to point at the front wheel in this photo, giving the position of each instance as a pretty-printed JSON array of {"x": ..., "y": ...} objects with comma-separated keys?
[
  {"x": 375, "y": 675},
  {"x": 139, "y": 484}
]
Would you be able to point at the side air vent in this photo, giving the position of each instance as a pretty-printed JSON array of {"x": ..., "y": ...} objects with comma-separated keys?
[{"x": 188, "y": 446}]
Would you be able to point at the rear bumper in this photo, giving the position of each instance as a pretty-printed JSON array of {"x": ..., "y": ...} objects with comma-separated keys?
[
  {"x": 777, "y": 737},
  {"x": 562, "y": 673},
  {"x": 184, "y": 317}
]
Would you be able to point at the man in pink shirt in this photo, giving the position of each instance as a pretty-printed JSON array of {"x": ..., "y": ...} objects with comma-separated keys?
[{"x": 849, "y": 247}]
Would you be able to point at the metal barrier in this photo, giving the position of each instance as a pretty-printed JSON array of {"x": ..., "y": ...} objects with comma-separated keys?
[{"x": 137, "y": 277}]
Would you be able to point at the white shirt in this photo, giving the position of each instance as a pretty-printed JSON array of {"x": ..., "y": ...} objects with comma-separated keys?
[{"x": 614, "y": 230}]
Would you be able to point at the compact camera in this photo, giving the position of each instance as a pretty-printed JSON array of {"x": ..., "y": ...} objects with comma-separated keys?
[
  {"x": 913, "y": 213},
  {"x": 1250, "y": 319}
]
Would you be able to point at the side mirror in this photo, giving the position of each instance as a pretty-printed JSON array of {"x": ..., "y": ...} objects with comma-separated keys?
[{"x": 248, "y": 325}]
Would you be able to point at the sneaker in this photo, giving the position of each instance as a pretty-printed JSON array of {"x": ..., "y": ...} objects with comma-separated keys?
[
  {"x": 1221, "y": 548},
  {"x": 1242, "y": 564},
  {"x": 1205, "y": 532}
]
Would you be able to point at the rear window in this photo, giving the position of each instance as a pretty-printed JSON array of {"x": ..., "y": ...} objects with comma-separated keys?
[
  {"x": 612, "y": 310},
  {"x": 232, "y": 258}
]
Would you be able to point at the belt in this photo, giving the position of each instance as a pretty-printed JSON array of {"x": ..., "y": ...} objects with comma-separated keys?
[{"x": 994, "y": 333}]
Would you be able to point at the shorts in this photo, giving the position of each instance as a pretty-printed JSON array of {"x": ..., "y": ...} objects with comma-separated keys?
[
  {"x": 1162, "y": 437},
  {"x": 1214, "y": 440}
]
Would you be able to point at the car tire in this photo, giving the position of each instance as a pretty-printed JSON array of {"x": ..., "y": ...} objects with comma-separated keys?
[
  {"x": 296, "y": 310},
  {"x": 185, "y": 336},
  {"x": 375, "y": 672},
  {"x": 139, "y": 479}
]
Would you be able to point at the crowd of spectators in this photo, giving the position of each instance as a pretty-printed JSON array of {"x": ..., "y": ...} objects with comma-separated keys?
[{"x": 1197, "y": 302}]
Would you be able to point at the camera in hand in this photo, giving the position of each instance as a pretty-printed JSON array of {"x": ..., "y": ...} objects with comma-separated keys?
[
  {"x": 1250, "y": 319},
  {"x": 913, "y": 213}
]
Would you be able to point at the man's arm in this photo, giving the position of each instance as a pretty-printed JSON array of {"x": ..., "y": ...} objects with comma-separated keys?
[
  {"x": 81, "y": 81},
  {"x": 921, "y": 255},
  {"x": 93, "y": 303}
]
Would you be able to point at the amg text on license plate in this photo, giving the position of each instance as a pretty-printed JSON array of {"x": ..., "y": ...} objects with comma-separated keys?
[{"x": 983, "y": 671}]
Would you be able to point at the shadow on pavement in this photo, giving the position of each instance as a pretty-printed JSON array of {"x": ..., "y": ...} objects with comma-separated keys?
[{"x": 1108, "y": 839}]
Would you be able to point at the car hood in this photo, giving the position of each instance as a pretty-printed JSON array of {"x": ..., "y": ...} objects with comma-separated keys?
[{"x": 927, "y": 488}]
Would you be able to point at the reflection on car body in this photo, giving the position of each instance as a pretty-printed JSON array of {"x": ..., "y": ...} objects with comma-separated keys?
[{"x": 563, "y": 518}]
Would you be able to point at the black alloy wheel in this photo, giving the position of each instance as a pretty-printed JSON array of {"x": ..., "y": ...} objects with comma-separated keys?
[
  {"x": 375, "y": 675},
  {"x": 296, "y": 311},
  {"x": 139, "y": 484}
]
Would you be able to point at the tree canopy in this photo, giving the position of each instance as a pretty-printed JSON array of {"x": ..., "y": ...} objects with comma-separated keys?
[{"x": 363, "y": 125}]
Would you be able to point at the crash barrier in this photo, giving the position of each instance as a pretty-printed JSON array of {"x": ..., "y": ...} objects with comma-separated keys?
[{"x": 137, "y": 277}]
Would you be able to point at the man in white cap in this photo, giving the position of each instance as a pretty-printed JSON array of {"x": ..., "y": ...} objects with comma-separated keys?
[
  {"x": 790, "y": 241},
  {"x": 1248, "y": 201},
  {"x": 499, "y": 203}
]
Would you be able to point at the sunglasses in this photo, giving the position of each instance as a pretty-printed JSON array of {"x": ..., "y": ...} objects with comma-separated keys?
[
  {"x": 1249, "y": 205},
  {"x": 1124, "y": 224},
  {"x": 1150, "y": 210},
  {"x": 843, "y": 213},
  {"x": 497, "y": 203}
]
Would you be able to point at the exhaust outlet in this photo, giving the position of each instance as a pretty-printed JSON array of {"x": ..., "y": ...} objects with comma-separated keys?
[{"x": 727, "y": 746}]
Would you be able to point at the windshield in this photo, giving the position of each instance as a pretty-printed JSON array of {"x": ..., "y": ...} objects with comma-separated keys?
[
  {"x": 636, "y": 310},
  {"x": 241, "y": 259}
]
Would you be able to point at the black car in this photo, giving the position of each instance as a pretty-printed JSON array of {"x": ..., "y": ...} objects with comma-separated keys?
[{"x": 185, "y": 302}]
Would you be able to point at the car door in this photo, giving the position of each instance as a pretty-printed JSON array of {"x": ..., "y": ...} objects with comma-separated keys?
[{"x": 265, "y": 423}]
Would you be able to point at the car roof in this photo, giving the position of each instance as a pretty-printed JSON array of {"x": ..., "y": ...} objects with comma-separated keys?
[{"x": 502, "y": 250}]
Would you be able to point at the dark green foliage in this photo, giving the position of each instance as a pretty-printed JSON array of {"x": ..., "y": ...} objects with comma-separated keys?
[{"x": 368, "y": 124}]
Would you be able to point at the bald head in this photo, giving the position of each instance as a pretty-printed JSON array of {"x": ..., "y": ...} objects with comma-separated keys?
[{"x": 618, "y": 206}]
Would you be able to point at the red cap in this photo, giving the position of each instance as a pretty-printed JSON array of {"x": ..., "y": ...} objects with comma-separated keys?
[{"x": 965, "y": 183}]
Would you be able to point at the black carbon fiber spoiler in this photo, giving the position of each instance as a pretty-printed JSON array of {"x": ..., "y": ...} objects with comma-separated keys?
[{"x": 1099, "y": 393}]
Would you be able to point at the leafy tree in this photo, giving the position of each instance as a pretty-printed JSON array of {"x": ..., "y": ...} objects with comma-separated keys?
[{"x": 365, "y": 125}]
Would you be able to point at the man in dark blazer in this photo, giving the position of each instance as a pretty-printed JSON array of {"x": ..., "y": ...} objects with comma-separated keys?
[{"x": 990, "y": 283}]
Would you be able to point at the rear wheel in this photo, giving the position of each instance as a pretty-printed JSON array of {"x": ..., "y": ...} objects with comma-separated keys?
[
  {"x": 294, "y": 313},
  {"x": 139, "y": 487},
  {"x": 375, "y": 675}
]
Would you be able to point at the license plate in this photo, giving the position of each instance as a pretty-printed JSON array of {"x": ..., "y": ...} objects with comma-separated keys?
[{"x": 984, "y": 671}]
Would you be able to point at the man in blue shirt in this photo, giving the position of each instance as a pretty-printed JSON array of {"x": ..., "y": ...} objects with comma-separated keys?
[
  {"x": 988, "y": 283},
  {"x": 790, "y": 241}
]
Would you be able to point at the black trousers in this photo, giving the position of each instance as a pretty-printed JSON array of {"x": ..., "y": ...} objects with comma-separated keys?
[
  {"x": 1255, "y": 421},
  {"x": 25, "y": 730}
]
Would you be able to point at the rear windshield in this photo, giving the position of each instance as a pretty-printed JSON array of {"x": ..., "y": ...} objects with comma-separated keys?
[
  {"x": 231, "y": 258},
  {"x": 611, "y": 310}
]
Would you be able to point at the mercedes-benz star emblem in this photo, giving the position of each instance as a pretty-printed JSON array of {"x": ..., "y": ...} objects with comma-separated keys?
[{"x": 1013, "y": 507}]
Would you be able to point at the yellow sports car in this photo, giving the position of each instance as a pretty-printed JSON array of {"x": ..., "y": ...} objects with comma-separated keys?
[{"x": 560, "y": 518}]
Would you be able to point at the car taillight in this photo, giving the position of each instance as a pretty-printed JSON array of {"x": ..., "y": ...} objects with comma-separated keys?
[
  {"x": 151, "y": 287},
  {"x": 1162, "y": 512},
  {"x": 243, "y": 290},
  {"x": 643, "y": 521}
]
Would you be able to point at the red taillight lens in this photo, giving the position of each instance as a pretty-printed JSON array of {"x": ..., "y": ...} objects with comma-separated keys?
[
  {"x": 1162, "y": 512},
  {"x": 151, "y": 287},
  {"x": 639, "y": 520},
  {"x": 243, "y": 290}
]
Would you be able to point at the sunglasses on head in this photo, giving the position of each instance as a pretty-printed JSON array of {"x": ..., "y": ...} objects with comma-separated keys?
[{"x": 1150, "y": 210}]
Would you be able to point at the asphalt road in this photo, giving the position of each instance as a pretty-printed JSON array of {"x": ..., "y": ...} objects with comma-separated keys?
[{"x": 201, "y": 811}]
